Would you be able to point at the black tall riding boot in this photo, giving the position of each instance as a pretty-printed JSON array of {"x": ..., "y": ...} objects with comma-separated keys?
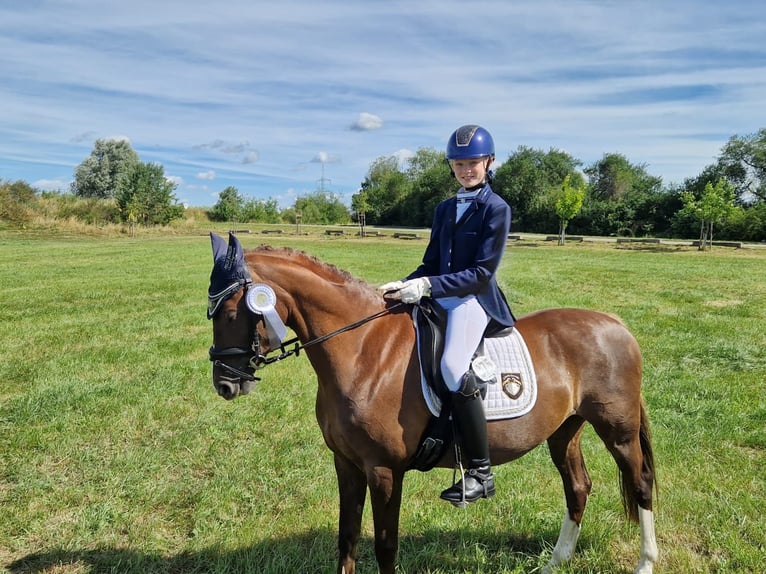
[{"x": 471, "y": 426}]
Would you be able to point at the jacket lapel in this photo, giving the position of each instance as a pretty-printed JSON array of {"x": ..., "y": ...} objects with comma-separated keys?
[{"x": 474, "y": 206}]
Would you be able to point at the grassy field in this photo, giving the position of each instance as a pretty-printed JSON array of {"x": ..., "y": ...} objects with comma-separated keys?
[{"x": 117, "y": 456}]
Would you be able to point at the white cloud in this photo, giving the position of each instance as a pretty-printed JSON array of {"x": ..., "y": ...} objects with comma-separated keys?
[
  {"x": 206, "y": 175},
  {"x": 403, "y": 156},
  {"x": 367, "y": 122},
  {"x": 225, "y": 146},
  {"x": 325, "y": 157},
  {"x": 250, "y": 157}
]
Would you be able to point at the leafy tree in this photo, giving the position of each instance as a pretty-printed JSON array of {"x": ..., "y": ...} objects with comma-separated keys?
[
  {"x": 393, "y": 196},
  {"x": 621, "y": 197},
  {"x": 103, "y": 173},
  {"x": 614, "y": 177},
  {"x": 263, "y": 211},
  {"x": 385, "y": 187},
  {"x": 430, "y": 182},
  {"x": 568, "y": 204},
  {"x": 716, "y": 203},
  {"x": 528, "y": 180},
  {"x": 147, "y": 196},
  {"x": 746, "y": 223},
  {"x": 743, "y": 163},
  {"x": 359, "y": 207},
  {"x": 229, "y": 206},
  {"x": 359, "y": 203},
  {"x": 710, "y": 174},
  {"x": 322, "y": 208}
]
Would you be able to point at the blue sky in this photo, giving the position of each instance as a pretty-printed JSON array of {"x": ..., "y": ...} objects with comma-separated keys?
[{"x": 271, "y": 97}]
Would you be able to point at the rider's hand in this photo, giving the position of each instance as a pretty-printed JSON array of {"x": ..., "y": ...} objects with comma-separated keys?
[
  {"x": 391, "y": 288},
  {"x": 414, "y": 289}
]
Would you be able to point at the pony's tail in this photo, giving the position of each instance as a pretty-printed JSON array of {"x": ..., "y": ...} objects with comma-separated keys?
[{"x": 637, "y": 491}]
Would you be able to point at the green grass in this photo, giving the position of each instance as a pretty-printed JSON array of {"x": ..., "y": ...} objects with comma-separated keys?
[{"x": 117, "y": 456}]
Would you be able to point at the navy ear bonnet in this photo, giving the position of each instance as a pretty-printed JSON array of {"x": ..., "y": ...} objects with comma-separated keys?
[{"x": 229, "y": 272}]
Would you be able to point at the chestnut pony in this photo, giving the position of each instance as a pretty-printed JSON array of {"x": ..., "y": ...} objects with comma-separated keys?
[{"x": 369, "y": 402}]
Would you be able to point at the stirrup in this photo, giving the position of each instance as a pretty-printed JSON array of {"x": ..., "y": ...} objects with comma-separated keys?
[{"x": 457, "y": 494}]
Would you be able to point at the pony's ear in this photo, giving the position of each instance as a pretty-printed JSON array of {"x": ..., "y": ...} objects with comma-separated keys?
[
  {"x": 235, "y": 247},
  {"x": 219, "y": 246}
]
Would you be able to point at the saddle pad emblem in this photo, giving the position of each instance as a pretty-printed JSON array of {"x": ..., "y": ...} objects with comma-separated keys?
[{"x": 512, "y": 385}]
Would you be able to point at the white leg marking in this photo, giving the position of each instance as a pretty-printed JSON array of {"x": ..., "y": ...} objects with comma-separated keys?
[
  {"x": 648, "y": 553},
  {"x": 565, "y": 545}
]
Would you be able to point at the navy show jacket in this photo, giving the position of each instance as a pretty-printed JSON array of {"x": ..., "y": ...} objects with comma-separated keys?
[{"x": 462, "y": 257}]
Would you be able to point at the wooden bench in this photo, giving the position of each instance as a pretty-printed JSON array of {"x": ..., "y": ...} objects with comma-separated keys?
[
  {"x": 575, "y": 238},
  {"x": 406, "y": 236},
  {"x": 514, "y": 238},
  {"x": 268, "y": 231},
  {"x": 736, "y": 244},
  {"x": 635, "y": 240},
  {"x": 334, "y": 232}
]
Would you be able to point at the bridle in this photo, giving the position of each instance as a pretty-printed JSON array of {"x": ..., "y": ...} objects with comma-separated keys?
[{"x": 258, "y": 360}]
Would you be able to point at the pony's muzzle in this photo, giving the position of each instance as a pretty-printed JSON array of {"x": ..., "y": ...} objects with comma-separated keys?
[
  {"x": 232, "y": 388},
  {"x": 230, "y": 382},
  {"x": 227, "y": 389}
]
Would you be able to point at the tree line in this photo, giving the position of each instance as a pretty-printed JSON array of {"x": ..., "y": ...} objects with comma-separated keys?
[{"x": 548, "y": 190}]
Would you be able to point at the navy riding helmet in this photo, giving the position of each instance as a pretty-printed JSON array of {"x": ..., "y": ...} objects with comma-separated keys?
[{"x": 469, "y": 142}]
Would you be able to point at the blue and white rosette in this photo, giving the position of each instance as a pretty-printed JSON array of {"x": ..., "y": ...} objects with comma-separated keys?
[{"x": 261, "y": 300}]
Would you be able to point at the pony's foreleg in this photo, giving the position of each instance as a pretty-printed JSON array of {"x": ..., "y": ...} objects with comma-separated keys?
[
  {"x": 386, "y": 497},
  {"x": 648, "y": 553},
  {"x": 352, "y": 488},
  {"x": 565, "y": 545}
]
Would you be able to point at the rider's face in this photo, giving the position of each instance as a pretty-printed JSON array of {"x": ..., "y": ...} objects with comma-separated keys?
[{"x": 471, "y": 172}]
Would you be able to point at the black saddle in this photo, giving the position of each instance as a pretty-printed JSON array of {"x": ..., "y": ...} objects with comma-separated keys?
[{"x": 431, "y": 319}]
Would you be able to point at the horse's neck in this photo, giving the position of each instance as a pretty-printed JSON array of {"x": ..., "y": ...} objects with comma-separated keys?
[{"x": 319, "y": 301}]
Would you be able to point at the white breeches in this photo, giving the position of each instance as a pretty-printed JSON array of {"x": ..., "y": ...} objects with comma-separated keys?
[{"x": 466, "y": 323}]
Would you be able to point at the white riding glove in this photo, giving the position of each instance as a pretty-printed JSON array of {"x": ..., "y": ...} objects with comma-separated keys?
[
  {"x": 413, "y": 290},
  {"x": 390, "y": 287}
]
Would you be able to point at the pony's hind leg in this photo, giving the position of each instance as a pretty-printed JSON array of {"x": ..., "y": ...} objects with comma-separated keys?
[
  {"x": 648, "y": 554},
  {"x": 631, "y": 448},
  {"x": 564, "y": 446}
]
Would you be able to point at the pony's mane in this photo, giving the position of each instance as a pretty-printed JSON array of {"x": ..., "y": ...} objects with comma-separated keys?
[{"x": 326, "y": 270}]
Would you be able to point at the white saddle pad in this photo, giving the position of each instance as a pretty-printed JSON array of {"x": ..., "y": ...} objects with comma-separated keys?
[{"x": 513, "y": 391}]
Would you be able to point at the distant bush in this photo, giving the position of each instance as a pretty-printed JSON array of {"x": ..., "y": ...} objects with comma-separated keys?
[
  {"x": 90, "y": 210},
  {"x": 18, "y": 202}
]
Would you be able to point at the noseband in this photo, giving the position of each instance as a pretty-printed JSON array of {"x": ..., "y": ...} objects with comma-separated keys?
[{"x": 218, "y": 356}]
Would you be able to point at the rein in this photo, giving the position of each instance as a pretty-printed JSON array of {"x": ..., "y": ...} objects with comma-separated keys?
[
  {"x": 258, "y": 360},
  {"x": 298, "y": 347}
]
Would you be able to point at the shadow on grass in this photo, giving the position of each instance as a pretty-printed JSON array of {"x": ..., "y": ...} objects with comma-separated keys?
[{"x": 309, "y": 552}]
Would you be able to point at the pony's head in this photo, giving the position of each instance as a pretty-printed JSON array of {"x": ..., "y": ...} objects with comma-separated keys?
[{"x": 237, "y": 334}]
